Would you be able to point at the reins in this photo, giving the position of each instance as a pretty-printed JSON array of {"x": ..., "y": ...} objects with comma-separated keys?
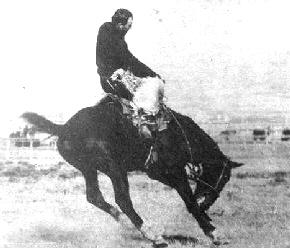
[{"x": 183, "y": 133}]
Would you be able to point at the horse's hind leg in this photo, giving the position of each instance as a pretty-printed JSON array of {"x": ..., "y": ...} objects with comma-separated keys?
[
  {"x": 122, "y": 198},
  {"x": 95, "y": 197}
]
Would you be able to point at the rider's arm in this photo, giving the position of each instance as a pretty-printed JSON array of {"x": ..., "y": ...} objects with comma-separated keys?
[{"x": 138, "y": 68}]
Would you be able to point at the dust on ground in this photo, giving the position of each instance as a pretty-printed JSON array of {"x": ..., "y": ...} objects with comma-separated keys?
[{"x": 47, "y": 207}]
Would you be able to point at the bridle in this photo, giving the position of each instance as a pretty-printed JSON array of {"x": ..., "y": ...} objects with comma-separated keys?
[{"x": 215, "y": 187}]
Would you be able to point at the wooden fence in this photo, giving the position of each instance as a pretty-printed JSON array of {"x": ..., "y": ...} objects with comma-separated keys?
[
  {"x": 33, "y": 151},
  {"x": 39, "y": 152}
]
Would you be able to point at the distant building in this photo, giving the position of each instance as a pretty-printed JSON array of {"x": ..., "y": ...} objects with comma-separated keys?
[{"x": 285, "y": 134}]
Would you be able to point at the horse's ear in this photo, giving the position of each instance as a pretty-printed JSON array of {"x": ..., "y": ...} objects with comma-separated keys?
[{"x": 235, "y": 164}]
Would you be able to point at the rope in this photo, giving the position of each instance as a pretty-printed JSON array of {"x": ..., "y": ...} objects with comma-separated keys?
[{"x": 183, "y": 132}]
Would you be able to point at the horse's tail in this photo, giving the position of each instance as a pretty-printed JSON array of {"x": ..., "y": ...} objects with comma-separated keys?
[{"x": 42, "y": 124}]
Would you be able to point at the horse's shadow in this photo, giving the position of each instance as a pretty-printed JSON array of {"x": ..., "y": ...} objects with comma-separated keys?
[
  {"x": 183, "y": 240},
  {"x": 171, "y": 239}
]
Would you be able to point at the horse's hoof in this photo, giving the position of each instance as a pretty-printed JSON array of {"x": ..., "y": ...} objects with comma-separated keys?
[
  {"x": 116, "y": 214},
  {"x": 153, "y": 235},
  {"x": 122, "y": 218},
  {"x": 124, "y": 222},
  {"x": 217, "y": 239}
]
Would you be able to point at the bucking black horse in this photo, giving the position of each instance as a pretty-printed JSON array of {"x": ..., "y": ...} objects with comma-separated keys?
[{"x": 102, "y": 138}]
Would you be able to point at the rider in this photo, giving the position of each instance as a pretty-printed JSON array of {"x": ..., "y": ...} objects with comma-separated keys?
[
  {"x": 112, "y": 51},
  {"x": 113, "y": 55}
]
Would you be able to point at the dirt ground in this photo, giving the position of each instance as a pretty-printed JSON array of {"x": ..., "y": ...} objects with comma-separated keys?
[{"x": 47, "y": 207}]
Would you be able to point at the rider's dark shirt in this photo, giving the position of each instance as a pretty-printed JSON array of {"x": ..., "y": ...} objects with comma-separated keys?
[{"x": 112, "y": 53}]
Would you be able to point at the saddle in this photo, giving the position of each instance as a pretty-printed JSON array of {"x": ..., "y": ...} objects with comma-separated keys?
[
  {"x": 145, "y": 108},
  {"x": 146, "y": 123}
]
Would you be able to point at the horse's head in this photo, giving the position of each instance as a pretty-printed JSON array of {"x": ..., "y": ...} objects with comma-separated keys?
[
  {"x": 212, "y": 179},
  {"x": 193, "y": 146},
  {"x": 210, "y": 176}
]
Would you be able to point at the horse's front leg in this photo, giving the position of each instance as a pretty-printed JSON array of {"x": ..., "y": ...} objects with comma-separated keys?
[
  {"x": 181, "y": 184},
  {"x": 122, "y": 198}
]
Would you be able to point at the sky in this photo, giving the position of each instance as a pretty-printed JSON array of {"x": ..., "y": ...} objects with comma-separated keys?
[{"x": 217, "y": 57}]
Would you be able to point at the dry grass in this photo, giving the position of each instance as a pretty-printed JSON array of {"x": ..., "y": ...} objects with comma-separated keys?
[{"x": 46, "y": 207}]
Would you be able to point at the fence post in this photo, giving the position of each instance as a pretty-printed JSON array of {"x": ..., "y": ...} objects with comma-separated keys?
[
  {"x": 31, "y": 150},
  {"x": 7, "y": 149}
]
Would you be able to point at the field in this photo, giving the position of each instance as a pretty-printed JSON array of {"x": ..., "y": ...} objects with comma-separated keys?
[{"x": 45, "y": 206}]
